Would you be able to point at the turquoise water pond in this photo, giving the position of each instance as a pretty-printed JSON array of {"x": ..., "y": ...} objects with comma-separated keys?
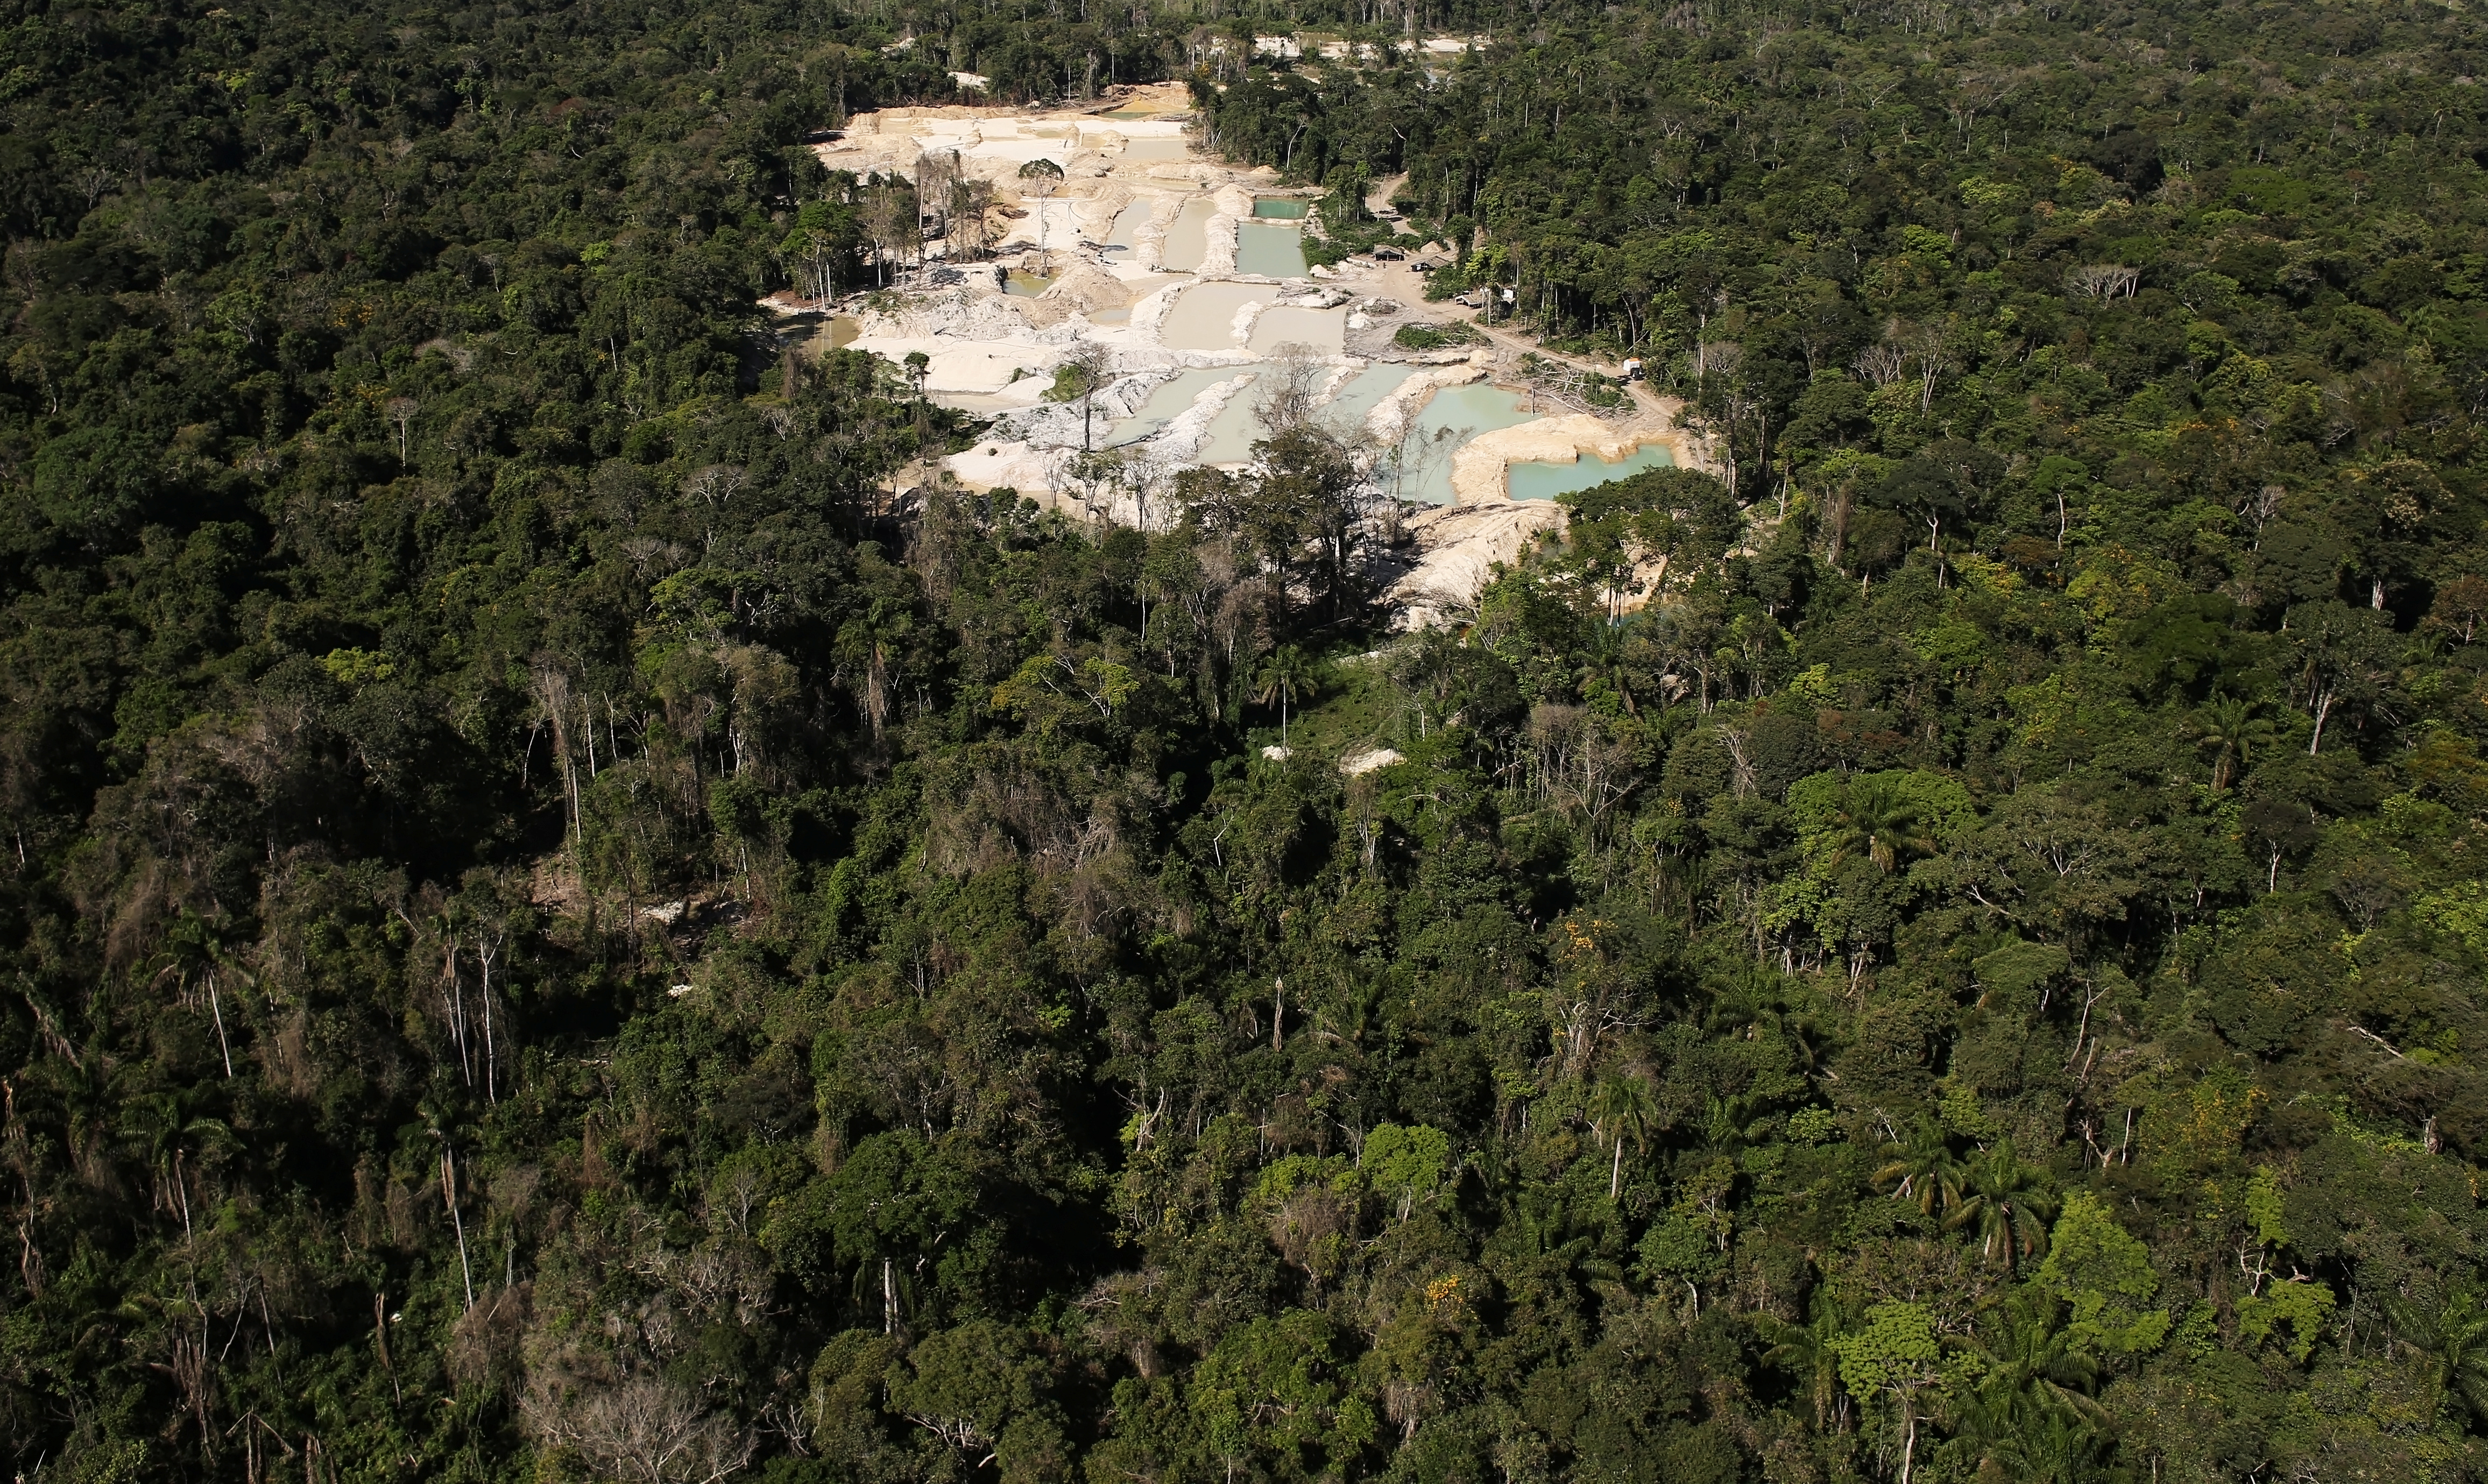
[
  {"x": 1282, "y": 208},
  {"x": 1452, "y": 417},
  {"x": 1538, "y": 479}
]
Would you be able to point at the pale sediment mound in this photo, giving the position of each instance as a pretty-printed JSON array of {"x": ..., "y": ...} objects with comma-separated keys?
[
  {"x": 1064, "y": 425},
  {"x": 1149, "y": 314},
  {"x": 1097, "y": 212},
  {"x": 1458, "y": 547},
  {"x": 1218, "y": 248},
  {"x": 979, "y": 313},
  {"x": 978, "y": 342},
  {"x": 1355, "y": 764},
  {"x": 1052, "y": 223},
  {"x": 1181, "y": 174},
  {"x": 1013, "y": 466},
  {"x": 1148, "y": 244},
  {"x": 1033, "y": 448},
  {"x": 1081, "y": 288}
]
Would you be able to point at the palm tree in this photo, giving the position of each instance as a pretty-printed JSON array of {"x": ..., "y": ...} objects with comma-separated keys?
[
  {"x": 1622, "y": 1108},
  {"x": 1924, "y": 1169},
  {"x": 1755, "y": 1004},
  {"x": 1748, "y": 1002},
  {"x": 86, "y": 1090},
  {"x": 2057, "y": 1447},
  {"x": 2003, "y": 1202},
  {"x": 2232, "y": 732},
  {"x": 2027, "y": 1353},
  {"x": 1806, "y": 1040},
  {"x": 195, "y": 951},
  {"x": 1812, "y": 1350},
  {"x": 1606, "y": 664},
  {"x": 2031, "y": 1417},
  {"x": 171, "y": 1127},
  {"x": 1876, "y": 821},
  {"x": 2454, "y": 1337},
  {"x": 1284, "y": 676},
  {"x": 1730, "y": 1121},
  {"x": 2011, "y": 1435}
]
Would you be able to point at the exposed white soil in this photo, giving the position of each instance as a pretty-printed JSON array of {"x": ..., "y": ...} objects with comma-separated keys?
[
  {"x": 1457, "y": 548},
  {"x": 995, "y": 352}
]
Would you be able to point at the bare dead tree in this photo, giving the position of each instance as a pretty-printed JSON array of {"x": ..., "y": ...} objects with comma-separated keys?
[
  {"x": 937, "y": 173},
  {"x": 969, "y": 223},
  {"x": 93, "y": 182},
  {"x": 715, "y": 484},
  {"x": 1931, "y": 347},
  {"x": 643, "y": 1429},
  {"x": 400, "y": 411},
  {"x": 449, "y": 1196},
  {"x": 553, "y": 695},
  {"x": 2103, "y": 280},
  {"x": 1289, "y": 388},
  {"x": 487, "y": 948},
  {"x": 1883, "y": 362}
]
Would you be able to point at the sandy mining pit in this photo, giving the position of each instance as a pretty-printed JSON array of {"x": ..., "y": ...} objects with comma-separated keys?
[{"x": 1188, "y": 274}]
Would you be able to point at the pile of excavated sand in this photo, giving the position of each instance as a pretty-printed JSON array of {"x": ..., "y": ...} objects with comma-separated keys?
[
  {"x": 980, "y": 342},
  {"x": 1457, "y": 549},
  {"x": 993, "y": 144},
  {"x": 1082, "y": 289}
]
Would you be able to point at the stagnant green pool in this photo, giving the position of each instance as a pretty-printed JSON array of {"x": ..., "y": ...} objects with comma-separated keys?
[{"x": 1542, "y": 480}]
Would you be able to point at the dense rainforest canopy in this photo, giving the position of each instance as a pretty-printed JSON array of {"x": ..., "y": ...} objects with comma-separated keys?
[{"x": 569, "y": 912}]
